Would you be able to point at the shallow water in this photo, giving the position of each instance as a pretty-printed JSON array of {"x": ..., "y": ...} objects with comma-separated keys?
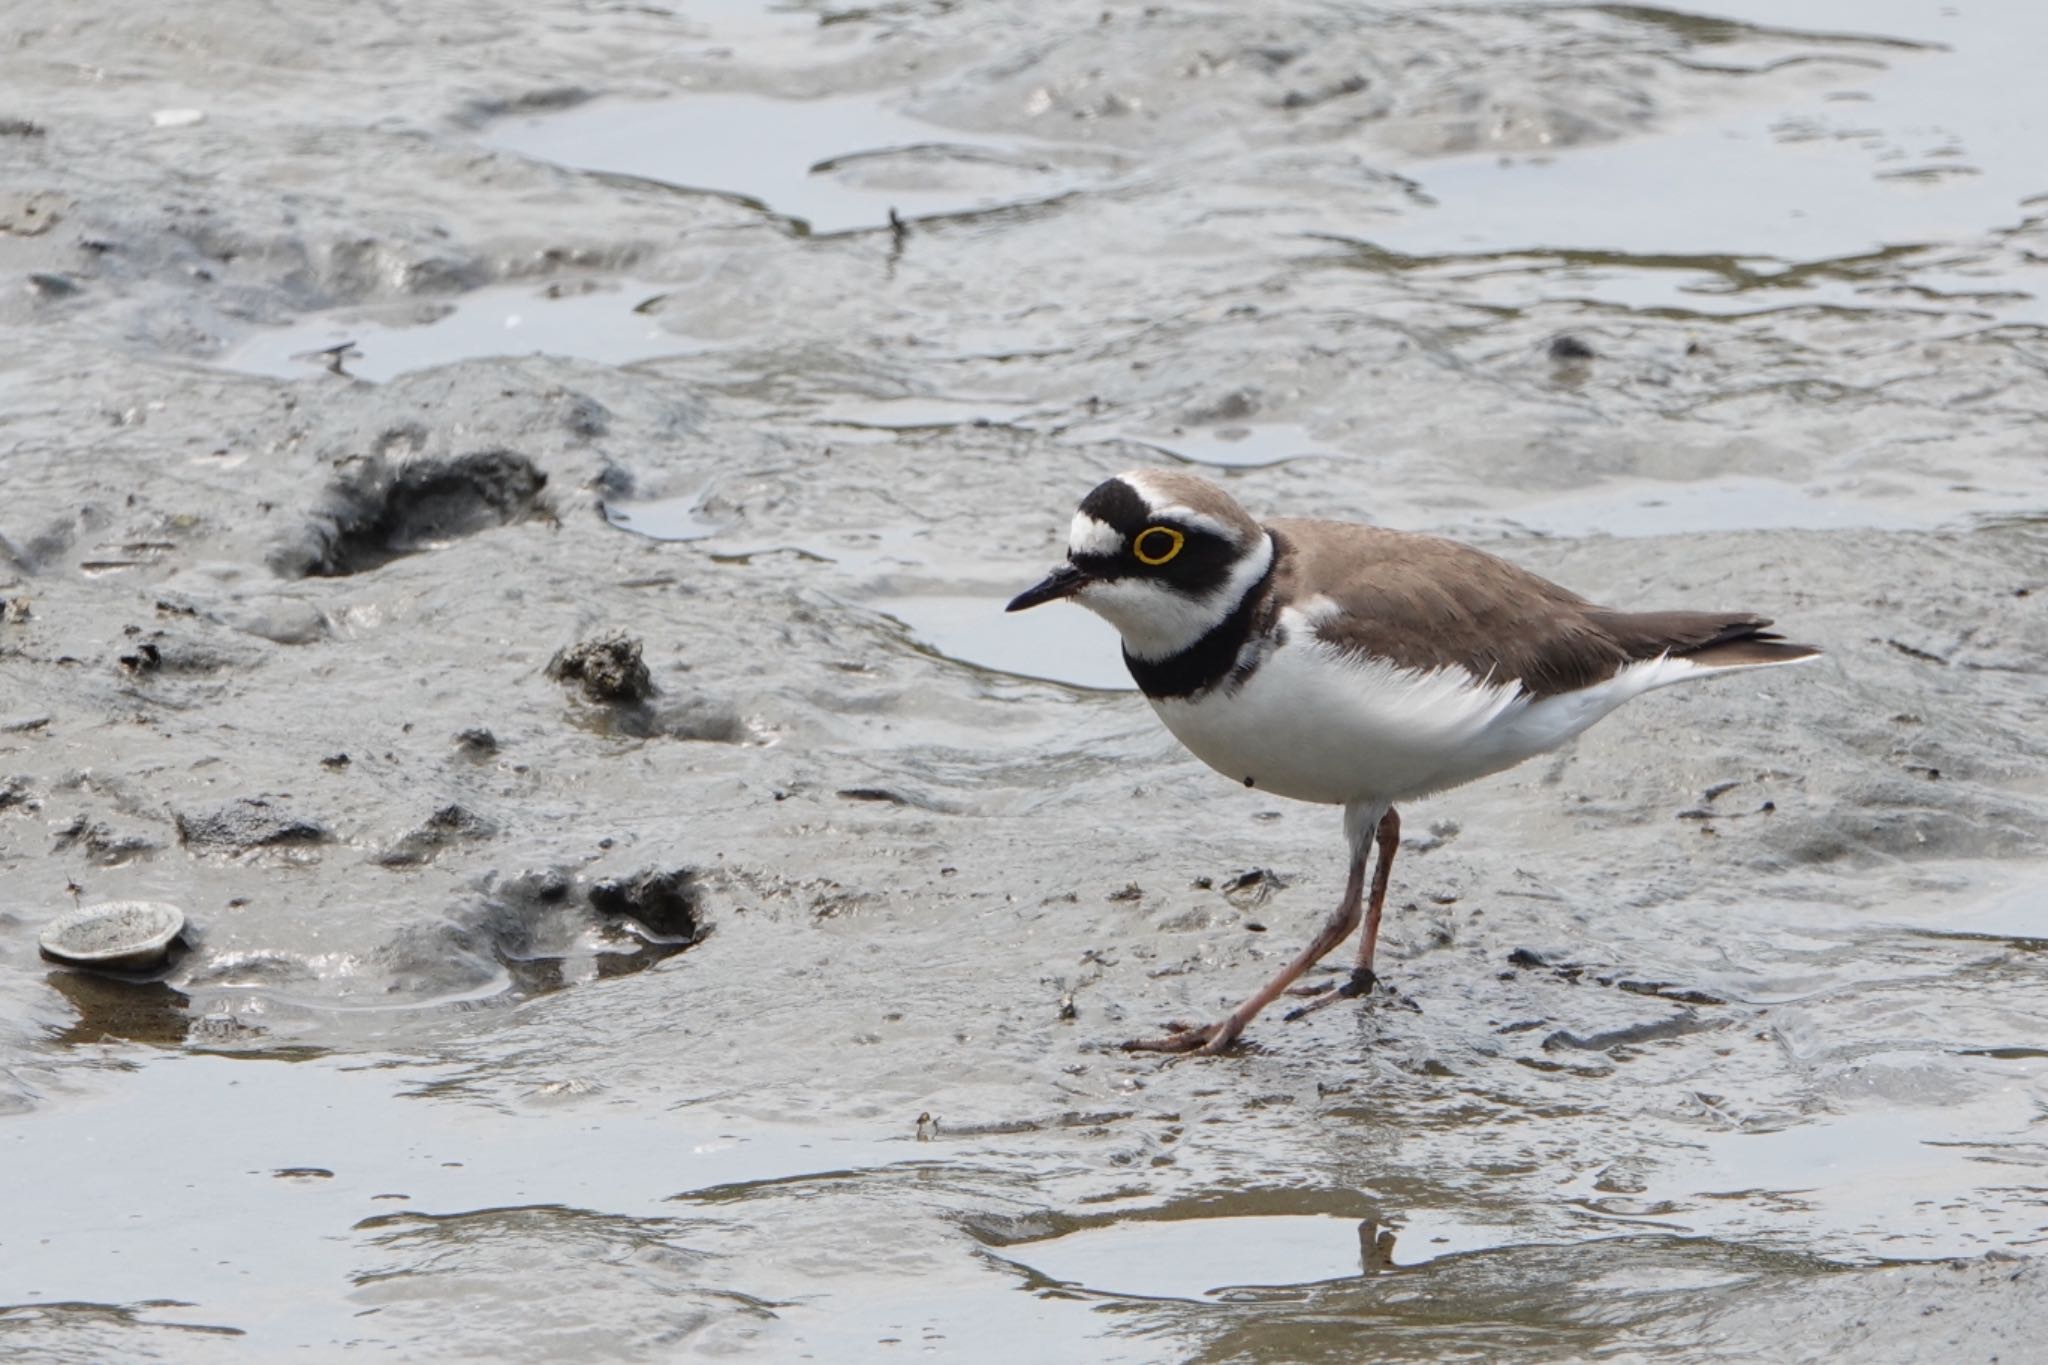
[
  {"x": 608, "y": 322},
  {"x": 765, "y": 1003},
  {"x": 826, "y": 164}
]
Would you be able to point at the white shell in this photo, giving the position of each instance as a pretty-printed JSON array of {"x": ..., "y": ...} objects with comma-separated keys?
[{"x": 117, "y": 936}]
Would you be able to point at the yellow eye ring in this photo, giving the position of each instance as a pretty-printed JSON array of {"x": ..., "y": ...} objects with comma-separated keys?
[{"x": 1148, "y": 549}]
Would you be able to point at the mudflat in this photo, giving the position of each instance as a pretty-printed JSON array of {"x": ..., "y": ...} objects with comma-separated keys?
[{"x": 505, "y": 513}]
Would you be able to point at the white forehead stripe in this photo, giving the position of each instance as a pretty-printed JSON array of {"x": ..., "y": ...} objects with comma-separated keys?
[{"x": 1092, "y": 537}]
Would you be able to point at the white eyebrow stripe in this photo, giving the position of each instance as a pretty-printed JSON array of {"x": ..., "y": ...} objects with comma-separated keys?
[
  {"x": 1092, "y": 537},
  {"x": 1162, "y": 510},
  {"x": 1196, "y": 521}
]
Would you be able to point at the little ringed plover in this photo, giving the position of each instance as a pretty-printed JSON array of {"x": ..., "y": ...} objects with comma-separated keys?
[{"x": 1359, "y": 667}]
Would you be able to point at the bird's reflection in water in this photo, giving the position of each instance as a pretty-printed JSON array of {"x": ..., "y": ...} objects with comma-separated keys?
[{"x": 1375, "y": 1248}]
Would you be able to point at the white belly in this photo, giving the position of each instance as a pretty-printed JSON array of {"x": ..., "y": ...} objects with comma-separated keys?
[{"x": 1316, "y": 726}]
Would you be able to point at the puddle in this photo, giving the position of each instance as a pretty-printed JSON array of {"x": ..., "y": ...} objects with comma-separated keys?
[
  {"x": 729, "y": 19},
  {"x": 664, "y": 518},
  {"x": 884, "y": 418},
  {"x": 1200, "y": 1258},
  {"x": 580, "y": 321},
  {"x": 1885, "y": 1182},
  {"x": 2017, "y": 915},
  {"x": 837, "y": 164},
  {"x": 1062, "y": 643},
  {"x": 892, "y": 571},
  {"x": 1239, "y": 445},
  {"x": 1717, "y": 285},
  {"x": 1649, "y": 507},
  {"x": 1924, "y": 136},
  {"x": 200, "y": 1220}
]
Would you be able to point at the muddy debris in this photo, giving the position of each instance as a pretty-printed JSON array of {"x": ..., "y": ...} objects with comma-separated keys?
[
  {"x": 1252, "y": 888},
  {"x": 477, "y": 742},
  {"x": 698, "y": 719},
  {"x": 536, "y": 924},
  {"x": 879, "y": 795},
  {"x": 377, "y": 513},
  {"x": 1568, "y": 349},
  {"x": 666, "y": 903},
  {"x": 179, "y": 655},
  {"x": 247, "y": 823},
  {"x": 1657, "y": 1030},
  {"x": 451, "y": 824},
  {"x": 101, "y": 843},
  {"x": 608, "y": 668}
]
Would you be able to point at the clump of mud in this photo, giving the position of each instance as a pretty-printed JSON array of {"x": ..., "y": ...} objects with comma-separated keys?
[
  {"x": 548, "y": 928},
  {"x": 246, "y": 823},
  {"x": 451, "y": 824},
  {"x": 608, "y": 667},
  {"x": 377, "y": 513},
  {"x": 663, "y": 903},
  {"x": 610, "y": 673}
]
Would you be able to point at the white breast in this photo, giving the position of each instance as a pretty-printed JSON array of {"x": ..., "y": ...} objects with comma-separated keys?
[{"x": 1313, "y": 724}]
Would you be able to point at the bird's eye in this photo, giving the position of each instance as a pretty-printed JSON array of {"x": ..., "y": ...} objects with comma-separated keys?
[{"x": 1155, "y": 545}]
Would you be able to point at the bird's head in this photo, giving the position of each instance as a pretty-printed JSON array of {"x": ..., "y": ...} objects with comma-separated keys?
[{"x": 1161, "y": 555}]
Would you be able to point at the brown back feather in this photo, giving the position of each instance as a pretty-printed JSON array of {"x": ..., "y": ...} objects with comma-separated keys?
[{"x": 1421, "y": 602}]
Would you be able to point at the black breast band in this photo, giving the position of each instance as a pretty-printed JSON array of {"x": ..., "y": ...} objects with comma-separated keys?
[{"x": 1213, "y": 658}]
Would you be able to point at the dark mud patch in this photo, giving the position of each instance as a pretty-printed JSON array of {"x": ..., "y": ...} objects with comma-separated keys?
[
  {"x": 901, "y": 795},
  {"x": 475, "y": 113},
  {"x": 378, "y": 513},
  {"x": 100, "y": 842},
  {"x": 450, "y": 825},
  {"x": 549, "y": 929},
  {"x": 664, "y": 904},
  {"x": 245, "y": 824},
  {"x": 167, "y": 653},
  {"x": 1632, "y": 1035},
  {"x": 476, "y": 742},
  {"x": 699, "y": 719}
]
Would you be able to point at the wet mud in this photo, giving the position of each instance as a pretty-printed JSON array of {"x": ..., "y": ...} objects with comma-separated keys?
[{"x": 505, "y": 524}]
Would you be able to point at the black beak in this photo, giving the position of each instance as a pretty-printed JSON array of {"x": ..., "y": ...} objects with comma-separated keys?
[{"x": 1064, "y": 581}]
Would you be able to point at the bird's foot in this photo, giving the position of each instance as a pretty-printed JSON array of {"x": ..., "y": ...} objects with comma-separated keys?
[
  {"x": 1207, "y": 1039},
  {"x": 1360, "y": 982}
]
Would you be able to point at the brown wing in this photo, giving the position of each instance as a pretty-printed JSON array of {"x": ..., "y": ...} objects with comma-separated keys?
[{"x": 1420, "y": 602}]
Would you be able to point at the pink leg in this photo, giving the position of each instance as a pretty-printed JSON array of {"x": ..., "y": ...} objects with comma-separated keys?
[
  {"x": 1362, "y": 978},
  {"x": 1214, "y": 1038}
]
